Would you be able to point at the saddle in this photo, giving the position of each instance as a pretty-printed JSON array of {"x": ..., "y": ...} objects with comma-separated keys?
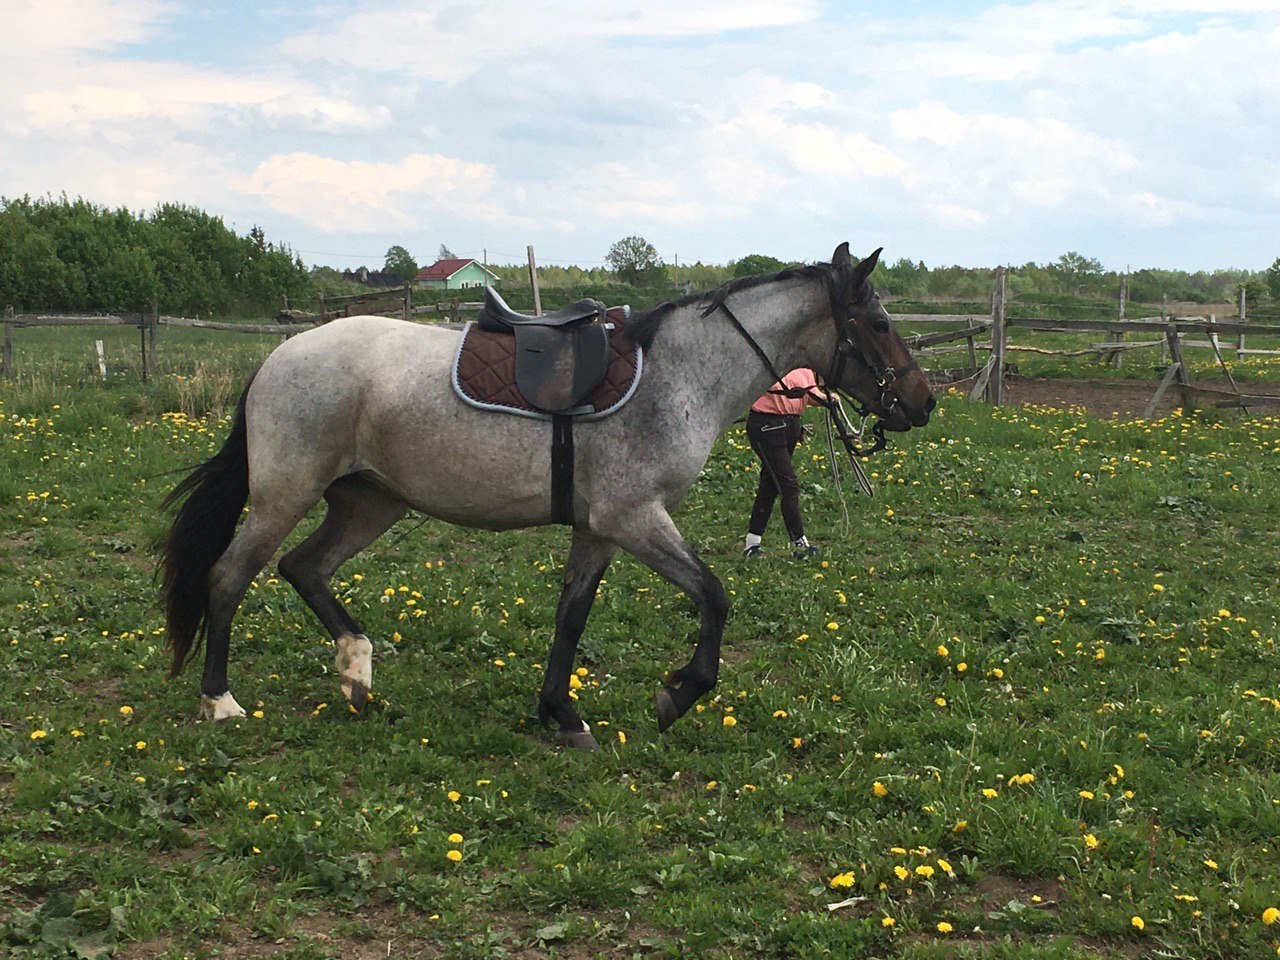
[{"x": 561, "y": 357}]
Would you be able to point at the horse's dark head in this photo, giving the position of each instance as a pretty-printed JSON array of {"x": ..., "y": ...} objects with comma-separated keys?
[{"x": 871, "y": 361}]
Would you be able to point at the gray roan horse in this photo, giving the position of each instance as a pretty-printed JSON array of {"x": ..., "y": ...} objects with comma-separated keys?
[{"x": 361, "y": 413}]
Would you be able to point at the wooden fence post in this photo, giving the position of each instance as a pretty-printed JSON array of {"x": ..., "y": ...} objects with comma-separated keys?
[
  {"x": 1118, "y": 336},
  {"x": 1179, "y": 365},
  {"x": 1164, "y": 316},
  {"x": 142, "y": 342},
  {"x": 408, "y": 300},
  {"x": 6, "y": 357},
  {"x": 995, "y": 384},
  {"x": 973, "y": 351},
  {"x": 533, "y": 279},
  {"x": 1240, "y": 336},
  {"x": 153, "y": 326},
  {"x": 323, "y": 318}
]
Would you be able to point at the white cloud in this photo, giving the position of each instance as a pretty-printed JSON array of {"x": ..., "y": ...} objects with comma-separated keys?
[
  {"x": 180, "y": 94},
  {"x": 38, "y": 29},
  {"x": 334, "y": 195},
  {"x": 729, "y": 124},
  {"x": 451, "y": 42}
]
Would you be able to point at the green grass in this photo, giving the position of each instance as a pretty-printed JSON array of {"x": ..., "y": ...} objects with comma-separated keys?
[{"x": 1050, "y": 639}]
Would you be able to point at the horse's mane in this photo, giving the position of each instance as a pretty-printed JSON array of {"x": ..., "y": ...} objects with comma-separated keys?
[{"x": 644, "y": 327}]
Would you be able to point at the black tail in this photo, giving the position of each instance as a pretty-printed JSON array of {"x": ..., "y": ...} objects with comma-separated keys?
[{"x": 213, "y": 496}]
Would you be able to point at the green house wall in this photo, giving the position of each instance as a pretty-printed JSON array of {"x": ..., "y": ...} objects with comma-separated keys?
[{"x": 472, "y": 275}]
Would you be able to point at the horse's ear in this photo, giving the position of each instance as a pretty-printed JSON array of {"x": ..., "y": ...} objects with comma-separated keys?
[
  {"x": 841, "y": 259},
  {"x": 863, "y": 270}
]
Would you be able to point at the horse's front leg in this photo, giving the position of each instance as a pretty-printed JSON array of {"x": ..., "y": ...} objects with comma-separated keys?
[
  {"x": 655, "y": 541},
  {"x": 589, "y": 557}
]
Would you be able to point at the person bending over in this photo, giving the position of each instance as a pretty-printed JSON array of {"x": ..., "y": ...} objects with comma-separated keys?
[{"x": 774, "y": 430}]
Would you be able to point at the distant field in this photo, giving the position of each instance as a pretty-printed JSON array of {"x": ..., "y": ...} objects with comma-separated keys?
[{"x": 1025, "y": 706}]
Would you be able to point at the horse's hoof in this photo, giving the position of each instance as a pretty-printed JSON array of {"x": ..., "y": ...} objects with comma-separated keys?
[
  {"x": 221, "y": 707},
  {"x": 357, "y": 694},
  {"x": 577, "y": 739},
  {"x": 667, "y": 712}
]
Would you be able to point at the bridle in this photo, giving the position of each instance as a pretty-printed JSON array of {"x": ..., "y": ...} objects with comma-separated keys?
[{"x": 851, "y": 343}]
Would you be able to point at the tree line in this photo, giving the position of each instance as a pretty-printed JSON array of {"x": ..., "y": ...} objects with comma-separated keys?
[
  {"x": 57, "y": 253},
  {"x": 76, "y": 255}
]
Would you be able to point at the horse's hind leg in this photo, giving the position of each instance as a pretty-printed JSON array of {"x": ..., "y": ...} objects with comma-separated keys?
[
  {"x": 253, "y": 545},
  {"x": 359, "y": 512},
  {"x": 589, "y": 557},
  {"x": 653, "y": 539}
]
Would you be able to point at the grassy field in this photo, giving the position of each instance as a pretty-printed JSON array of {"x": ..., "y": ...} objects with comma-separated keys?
[{"x": 1025, "y": 706}]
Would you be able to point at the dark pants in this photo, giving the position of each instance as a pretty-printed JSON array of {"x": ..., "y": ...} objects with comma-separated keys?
[{"x": 774, "y": 439}]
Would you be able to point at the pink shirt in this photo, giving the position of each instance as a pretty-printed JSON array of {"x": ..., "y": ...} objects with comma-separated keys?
[{"x": 775, "y": 404}]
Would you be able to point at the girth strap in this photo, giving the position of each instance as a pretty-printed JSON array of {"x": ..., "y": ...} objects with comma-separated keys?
[{"x": 562, "y": 469}]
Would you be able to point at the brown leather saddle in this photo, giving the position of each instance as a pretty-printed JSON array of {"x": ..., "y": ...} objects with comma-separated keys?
[
  {"x": 565, "y": 367},
  {"x": 561, "y": 357}
]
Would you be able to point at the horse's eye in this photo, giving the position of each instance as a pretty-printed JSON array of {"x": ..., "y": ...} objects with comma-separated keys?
[{"x": 880, "y": 326}]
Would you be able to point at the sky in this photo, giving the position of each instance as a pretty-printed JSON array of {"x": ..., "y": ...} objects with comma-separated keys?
[{"x": 1142, "y": 133}]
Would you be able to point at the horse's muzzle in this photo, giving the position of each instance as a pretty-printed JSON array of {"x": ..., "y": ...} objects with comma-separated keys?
[{"x": 901, "y": 418}]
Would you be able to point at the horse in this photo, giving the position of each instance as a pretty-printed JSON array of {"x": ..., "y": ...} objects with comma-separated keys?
[{"x": 361, "y": 413}]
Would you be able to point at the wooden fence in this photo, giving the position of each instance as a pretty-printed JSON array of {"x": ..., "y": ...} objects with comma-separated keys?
[
  {"x": 1173, "y": 335},
  {"x": 289, "y": 321},
  {"x": 987, "y": 334}
]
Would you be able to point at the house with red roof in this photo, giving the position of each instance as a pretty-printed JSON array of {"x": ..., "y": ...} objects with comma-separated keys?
[{"x": 456, "y": 274}]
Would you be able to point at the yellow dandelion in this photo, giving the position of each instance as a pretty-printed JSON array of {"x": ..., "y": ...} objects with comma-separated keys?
[
  {"x": 1270, "y": 916},
  {"x": 454, "y": 796},
  {"x": 879, "y": 789},
  {"x": 940, "y": 701},
  {"x": 944, "y": 927},
  {"x": 1211, "y": 864},
  {"x": 901, "y": 872},
  {"x": 887, "y": 922},
  {"x": 1091, "y": 841},
  {"x": 946, "y": 867},
  {"x": 942, "y": 650},
  {"x": 39, "y": 734},
  {"x": 833, "y": 625},
  {"x": 780, "y": 714},
  {"x": 454, "y": 855},
  {"x": 924, "y": 870},
  {"x": 730, "y": 721},
  {"x": 1138, "y": 923},
  {"x": 622, "y": 738},
  {"x": 126, "y": 711},
  {"x": 989, "y": 793},
  {"x": 1158, "y": 587},
  {"x": 1086, "y": 794},
  {"x": 960, "y": 827},
  {"x": 842, "y": 881}
]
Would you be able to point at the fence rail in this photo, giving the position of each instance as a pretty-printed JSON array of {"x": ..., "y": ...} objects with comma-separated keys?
[{"x": 972, "y": 334}]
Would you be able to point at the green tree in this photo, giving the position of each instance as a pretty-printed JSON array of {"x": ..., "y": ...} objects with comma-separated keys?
[
  {"x": 635, "y": 260},
  {"x": 756, "y": 263},
  {"x": 1074, "y": 270},
  {"x": 399, "y": 262},
  {"x": 1272, "y": 278}
]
